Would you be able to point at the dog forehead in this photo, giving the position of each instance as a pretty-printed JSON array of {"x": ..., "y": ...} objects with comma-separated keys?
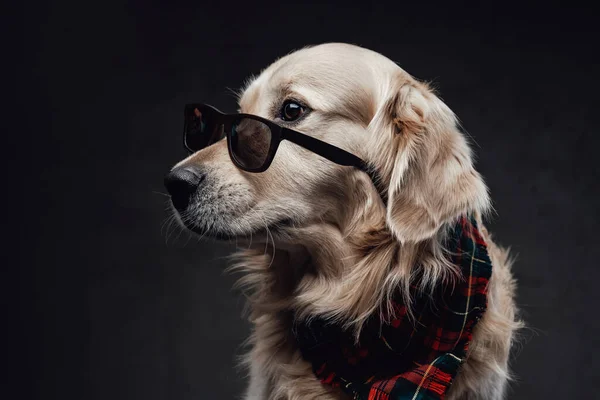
[
  {"x": 325, "y": 77},
  {"x": 325, "y": 67}
]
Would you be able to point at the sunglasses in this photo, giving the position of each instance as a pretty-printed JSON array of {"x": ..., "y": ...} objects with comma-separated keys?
[{"x": 253, "y": 141}]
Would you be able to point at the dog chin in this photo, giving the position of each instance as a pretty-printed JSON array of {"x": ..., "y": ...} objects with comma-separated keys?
[{"x": 257, "y": 234}]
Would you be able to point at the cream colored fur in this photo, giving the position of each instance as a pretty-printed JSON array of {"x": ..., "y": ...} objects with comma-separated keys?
[{"x": 346, "y": 252}]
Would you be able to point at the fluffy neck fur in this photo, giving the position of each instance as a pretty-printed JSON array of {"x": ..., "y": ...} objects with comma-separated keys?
[{"x": 344, "y": 273}]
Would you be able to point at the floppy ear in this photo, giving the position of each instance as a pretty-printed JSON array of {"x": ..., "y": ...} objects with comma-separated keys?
[{"x": 427, "y": 161}]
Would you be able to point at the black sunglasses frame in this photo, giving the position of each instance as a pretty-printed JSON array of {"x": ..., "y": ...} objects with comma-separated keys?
[{"x": 278, "y": 134}]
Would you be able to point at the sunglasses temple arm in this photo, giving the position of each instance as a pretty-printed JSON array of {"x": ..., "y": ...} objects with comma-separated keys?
[
  {"x": 323, "y": 149},
  {"x": 335, "y": 154}
]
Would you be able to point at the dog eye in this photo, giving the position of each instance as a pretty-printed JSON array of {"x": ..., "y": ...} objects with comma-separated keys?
[{"x": 291, "y": 111}]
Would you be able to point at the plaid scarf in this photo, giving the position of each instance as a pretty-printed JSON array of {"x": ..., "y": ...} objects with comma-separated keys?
[{"x": 403, "y": 359}]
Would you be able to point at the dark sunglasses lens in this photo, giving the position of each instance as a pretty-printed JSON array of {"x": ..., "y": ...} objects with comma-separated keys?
[
  {"x": 200, "y": 129},
  {"x": 250, "y": 142}
]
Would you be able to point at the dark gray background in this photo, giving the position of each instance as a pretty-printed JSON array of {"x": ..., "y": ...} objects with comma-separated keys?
[{"x": 105, "y": 307}]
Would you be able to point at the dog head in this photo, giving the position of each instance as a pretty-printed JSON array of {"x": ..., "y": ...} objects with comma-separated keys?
[{"x": 362, "y": 102}]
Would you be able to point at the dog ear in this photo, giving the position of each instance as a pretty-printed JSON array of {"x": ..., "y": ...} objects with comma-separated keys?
[{"x": 427, "y": 162}]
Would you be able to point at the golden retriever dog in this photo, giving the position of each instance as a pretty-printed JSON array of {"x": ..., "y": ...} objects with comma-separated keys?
[{"x": 323, "y": 240}]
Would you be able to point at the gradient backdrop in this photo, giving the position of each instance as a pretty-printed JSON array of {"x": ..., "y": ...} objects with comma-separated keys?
[{"x": 106, "y": 305}]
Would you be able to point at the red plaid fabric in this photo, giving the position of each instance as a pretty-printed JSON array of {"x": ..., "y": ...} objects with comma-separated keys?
[{"x": 404, "y": 359}]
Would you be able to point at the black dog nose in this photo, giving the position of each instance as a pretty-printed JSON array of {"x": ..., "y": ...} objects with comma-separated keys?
[{"x": 182, "y": 183}]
